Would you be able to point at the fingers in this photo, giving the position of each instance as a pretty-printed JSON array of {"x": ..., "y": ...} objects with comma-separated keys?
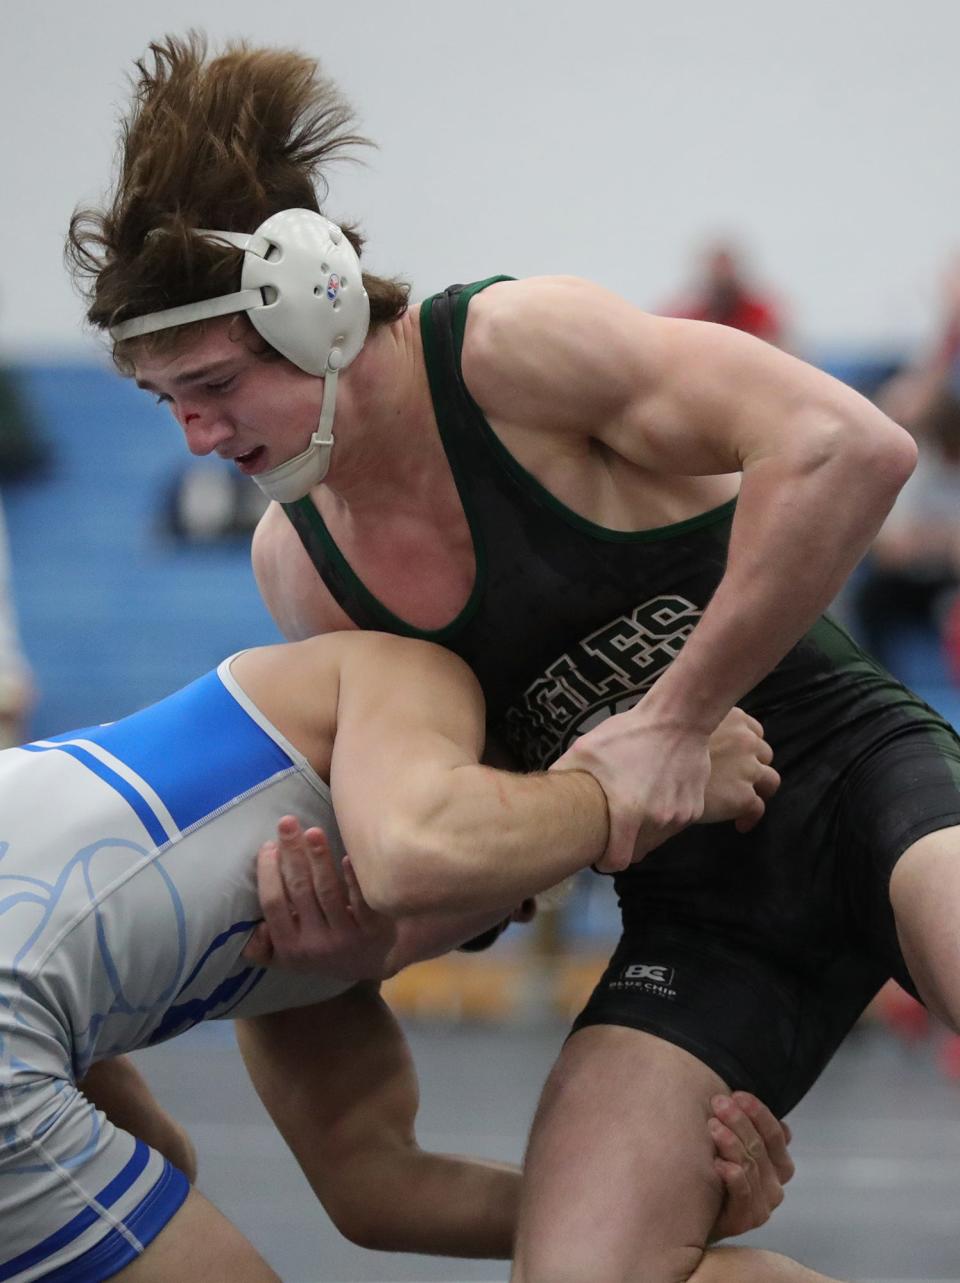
[
  {"x": 365, "y": 917},
  {"x": 746, "y": 1133},
  {"x": 304, "y": 903},
  {"x": 751, "y": 815},
  {"x": 325, "y": 891},
  {"x": 299, "y": 864},
  {"x": 767, "y": 782},
  {"x": 273, "y": 897},
  {"x": 754, "y": 726},
  {"x": 775, "y": 1136},
  {"x": 738, "y": 1208},
  {"x": 746, "y": 1204},
  {"x": 764, "y": 787},
  {"x": 622, "y": 849}
]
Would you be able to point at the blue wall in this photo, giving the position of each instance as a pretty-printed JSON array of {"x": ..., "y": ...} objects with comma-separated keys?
[{"x": 113, "y": 613}]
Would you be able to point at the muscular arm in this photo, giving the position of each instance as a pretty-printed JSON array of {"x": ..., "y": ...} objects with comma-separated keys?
[
  {"x": 428, "y": 828},
  {"x": 567, "y": 361},
  {"x": 564, "y": 369},
  {"x": 341, "y": 1087}
]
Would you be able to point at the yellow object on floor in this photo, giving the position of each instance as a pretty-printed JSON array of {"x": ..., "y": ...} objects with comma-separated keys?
[{"x": 462, "y": 986}]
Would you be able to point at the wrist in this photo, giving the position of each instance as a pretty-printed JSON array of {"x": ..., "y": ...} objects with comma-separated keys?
[
  {"x": 591, "y": 803},
  {"x": 673, "y": 703}
]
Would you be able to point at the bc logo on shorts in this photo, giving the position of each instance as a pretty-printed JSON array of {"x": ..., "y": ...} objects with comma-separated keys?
[{"x": 646, "y": 977}]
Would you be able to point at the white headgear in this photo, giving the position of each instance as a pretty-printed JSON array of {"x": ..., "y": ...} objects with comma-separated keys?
[{"x": 302, "y": 288}]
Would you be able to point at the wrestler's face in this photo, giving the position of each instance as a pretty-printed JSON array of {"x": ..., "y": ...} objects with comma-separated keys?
[{"x": 255, "y": 411}]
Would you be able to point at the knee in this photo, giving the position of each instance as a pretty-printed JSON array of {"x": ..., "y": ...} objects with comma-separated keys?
[{"x": 589, "y": 1262}]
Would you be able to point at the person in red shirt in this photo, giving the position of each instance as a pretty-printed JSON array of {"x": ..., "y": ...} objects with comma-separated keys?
[{"x": 726, "y": 296}]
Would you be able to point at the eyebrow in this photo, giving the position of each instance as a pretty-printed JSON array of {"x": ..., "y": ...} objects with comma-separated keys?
[{"x": 190, "y": 376}]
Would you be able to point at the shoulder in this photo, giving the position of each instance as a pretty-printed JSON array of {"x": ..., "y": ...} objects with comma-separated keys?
[
  {"x": 269, "y": 534},
  {"x": 371, "y": 661},
  {"x": 393, "y": 688},
  {"x": 556, "y": 351},
  {"x": 502, "y": 310},
  {"x": 289, "y": 584},
  {"x": 575, "y": 318},
  {"x": 368, "y": 663}
]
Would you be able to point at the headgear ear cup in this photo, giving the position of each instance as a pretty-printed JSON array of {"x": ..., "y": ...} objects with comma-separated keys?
[{"x": 302, "y": 288}]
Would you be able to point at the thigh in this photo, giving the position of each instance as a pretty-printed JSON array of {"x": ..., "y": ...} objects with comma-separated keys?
[
  {"x": 898, "y": 835},
  {"x": 79, "y": 1198},
  {"x": 925, "y": 898},
  {"x": 119, "y": 1090},
  {"x": 199, "y": 1243},
  {"x": 619, "y": 1182},
  {"x": 761, "y": 1025}
]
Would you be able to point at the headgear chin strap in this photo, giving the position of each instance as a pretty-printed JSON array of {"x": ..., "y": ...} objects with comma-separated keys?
[{"x": 302, "y": 288}]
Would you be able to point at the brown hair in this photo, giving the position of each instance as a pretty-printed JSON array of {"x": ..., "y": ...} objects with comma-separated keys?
[{"x": 222, "y": 143}]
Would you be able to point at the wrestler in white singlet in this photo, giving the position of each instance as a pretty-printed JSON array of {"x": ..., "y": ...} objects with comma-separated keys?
[{"x": 127, "y": 894}]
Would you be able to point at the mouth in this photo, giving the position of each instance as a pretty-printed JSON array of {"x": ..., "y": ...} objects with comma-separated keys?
[{"x": 252, "y": 461}]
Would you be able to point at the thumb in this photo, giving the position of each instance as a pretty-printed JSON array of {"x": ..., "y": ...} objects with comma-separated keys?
[
  {"x": 259, "y": 948},
  {"x": 751, "y": 815}
]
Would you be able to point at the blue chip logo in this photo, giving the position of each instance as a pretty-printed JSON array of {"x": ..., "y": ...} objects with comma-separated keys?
[{"x": 333, "y": 286}]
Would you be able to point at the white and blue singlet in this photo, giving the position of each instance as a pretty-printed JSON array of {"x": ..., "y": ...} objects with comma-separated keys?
[{"x": 127, "y": 894}]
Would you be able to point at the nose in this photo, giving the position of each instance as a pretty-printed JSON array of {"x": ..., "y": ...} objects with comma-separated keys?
[{"x": 204, "y": 432}]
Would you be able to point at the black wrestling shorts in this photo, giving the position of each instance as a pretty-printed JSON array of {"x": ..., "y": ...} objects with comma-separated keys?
[{"x": 758, "y": 952}]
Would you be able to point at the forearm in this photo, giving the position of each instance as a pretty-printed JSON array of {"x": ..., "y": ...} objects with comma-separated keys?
[
  {"x": 802, "y": 523},
  {"x": 430, "y": 935},
  {"x": 436, "y": 1204},
  {"x": 339, "y": 1083},
  {"x": 488, "y": 838}
]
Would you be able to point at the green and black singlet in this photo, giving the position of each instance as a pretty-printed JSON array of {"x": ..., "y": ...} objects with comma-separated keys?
[{"x": 771, "y": 942}]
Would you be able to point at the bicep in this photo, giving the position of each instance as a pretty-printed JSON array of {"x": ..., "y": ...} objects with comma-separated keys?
[
  {"x": 570, "y": 359},
  {"x": 707, "y": 399},
  {"x": 408, "y": 714}
]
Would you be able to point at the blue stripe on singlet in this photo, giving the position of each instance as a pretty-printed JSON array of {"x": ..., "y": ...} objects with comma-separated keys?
[
  {"x": 138, "y": 803},
  {"x": 113, "y": 1252},
  {"x": 198, "y": 749},
  {"x": 53, "y": 1243}
]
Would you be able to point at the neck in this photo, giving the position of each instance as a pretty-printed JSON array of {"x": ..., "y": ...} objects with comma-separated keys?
[{"x": 387, "y": 447}]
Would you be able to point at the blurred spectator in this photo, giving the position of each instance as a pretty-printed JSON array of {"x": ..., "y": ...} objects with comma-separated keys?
[
  {"x": 912, "y": 574},
  {"x": 21, "y": 450},
  {"x": 724, "y": 293},
  {"x": 911, "y": 577},
  {"x": 210, "y": 503},
  {"x": 916, "y": 393},
  {"x": 16, "y": 684}
]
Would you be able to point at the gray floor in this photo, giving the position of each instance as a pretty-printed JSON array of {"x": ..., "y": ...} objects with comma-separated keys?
[{"x": 877, "y": 1194}]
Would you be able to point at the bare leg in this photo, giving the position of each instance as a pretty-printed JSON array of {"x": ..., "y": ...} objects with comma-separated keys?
[
  {"x": 619, "y": 1183},
  {"x": 925, "y": 893},
  {"x": 119, "y": 1089},
  {"x": 199, "y": 1243},
  {"x": 751, "y": 1265}
]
